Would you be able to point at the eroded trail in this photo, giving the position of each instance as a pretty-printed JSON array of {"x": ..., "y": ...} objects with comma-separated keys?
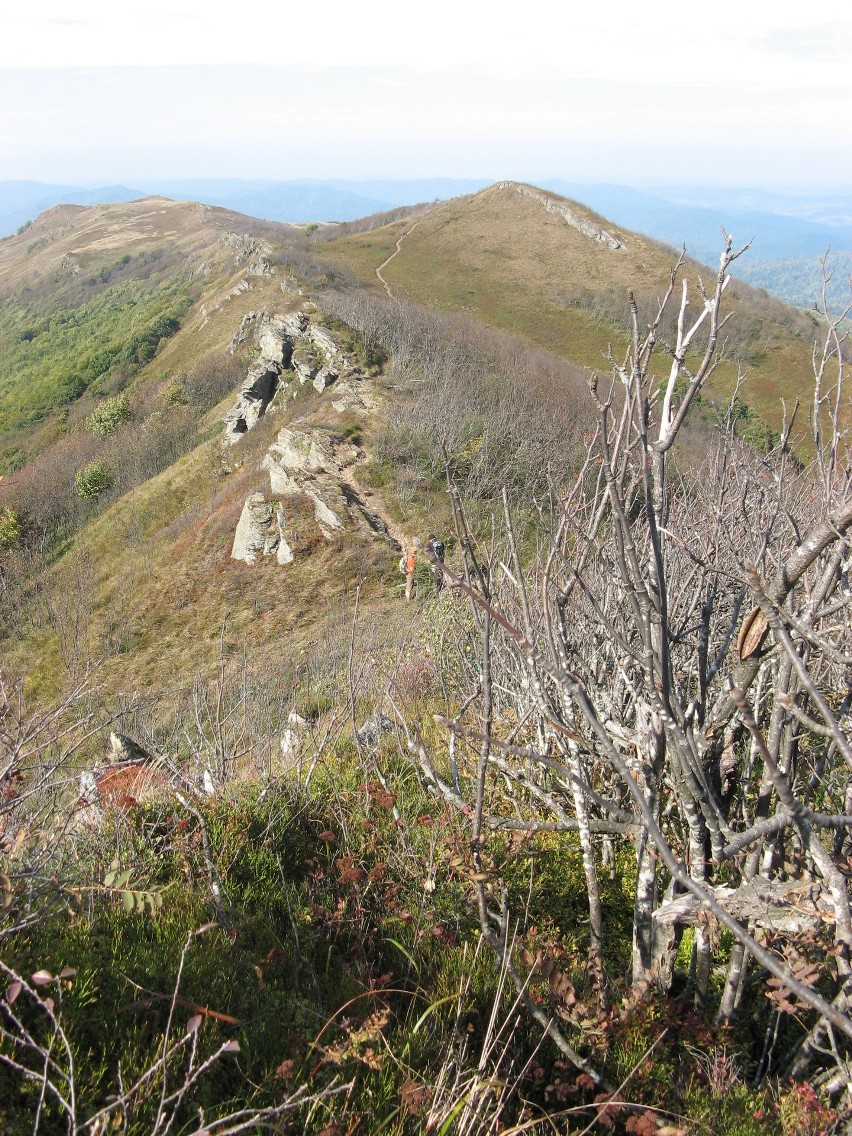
[
  {"x": 374, "y": 501},
  {"x": 396, "y": 252}
]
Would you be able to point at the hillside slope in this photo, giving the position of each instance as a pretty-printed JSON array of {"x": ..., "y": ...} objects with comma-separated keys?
[
  {"x": 447, "y": 864},
  {"x": 82, "y": 290},
  {"x": 508, "y": 256},
  {"x": 140, "y": 580},
  {"x": 92, "y": 294}
]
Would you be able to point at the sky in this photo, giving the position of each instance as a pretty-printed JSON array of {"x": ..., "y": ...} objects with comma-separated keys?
[{"x": 739, "y": 92}]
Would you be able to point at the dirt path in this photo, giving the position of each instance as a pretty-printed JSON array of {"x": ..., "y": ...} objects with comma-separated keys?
[
  {"x": 373, "y": 500},
  {"x": 396, "y": 252},
  {"x": 377, "y": 506}
]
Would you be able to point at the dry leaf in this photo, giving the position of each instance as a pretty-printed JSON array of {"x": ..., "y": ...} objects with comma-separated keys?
[{"x": 752, "y": 634}]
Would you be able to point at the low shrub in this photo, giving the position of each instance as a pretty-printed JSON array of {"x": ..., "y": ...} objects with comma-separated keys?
[
  {"x": 110, "y": 415},
  {"x": 93, "y": 480}
]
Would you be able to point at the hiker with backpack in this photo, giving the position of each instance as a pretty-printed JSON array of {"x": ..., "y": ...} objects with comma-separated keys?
[{"x": 435, "y": 549}]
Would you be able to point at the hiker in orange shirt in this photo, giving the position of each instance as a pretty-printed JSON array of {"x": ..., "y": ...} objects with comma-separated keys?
[{"x": 407, "y": 565}]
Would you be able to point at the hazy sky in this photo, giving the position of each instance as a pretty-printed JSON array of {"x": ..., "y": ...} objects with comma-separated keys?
[{"x": 734, "y": 92}]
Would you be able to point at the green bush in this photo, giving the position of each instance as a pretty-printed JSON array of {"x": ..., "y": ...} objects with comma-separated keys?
[
  {"x": 112, "y": 413},
  {"x": 93, "y": 480},
  {"x": 10, "y": 529}
]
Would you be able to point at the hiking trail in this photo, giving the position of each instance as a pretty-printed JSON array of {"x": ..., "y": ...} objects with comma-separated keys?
[
  {"x": 396, "y": 252},
  {"x": 375, "y": 503}
]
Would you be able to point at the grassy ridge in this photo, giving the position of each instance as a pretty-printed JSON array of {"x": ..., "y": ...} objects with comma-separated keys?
[
  {"x": 501, "y": 257},
  {"x": 345, "y": 948}
]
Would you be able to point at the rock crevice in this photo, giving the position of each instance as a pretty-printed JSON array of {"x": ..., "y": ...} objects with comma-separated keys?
[{"x": 288, "y": 347}]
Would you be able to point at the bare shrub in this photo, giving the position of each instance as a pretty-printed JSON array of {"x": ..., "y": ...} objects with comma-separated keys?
[
  {"x": 502, "y": 413},
  {"x": 676, "y": 661}
]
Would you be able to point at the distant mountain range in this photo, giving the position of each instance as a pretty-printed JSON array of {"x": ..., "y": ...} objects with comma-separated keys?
[{"x": 789, "y": 231}]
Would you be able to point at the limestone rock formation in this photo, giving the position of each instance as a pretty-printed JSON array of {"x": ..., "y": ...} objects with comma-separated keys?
[
  {"x": 306, "y": 451},
  {"x": 307, "y": 465},
  {"x": 354, "y": 396},
  {"x": 260, "y": 532},
  {"x": 576, "y": 220},
  {"x": 287, "y": 344},
  {"x": 310, "y": 462},
  {"x": 256, "y": 393}
]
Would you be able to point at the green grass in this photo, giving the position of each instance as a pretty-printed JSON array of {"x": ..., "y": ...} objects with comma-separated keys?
[{"x": 330, "y": 960}]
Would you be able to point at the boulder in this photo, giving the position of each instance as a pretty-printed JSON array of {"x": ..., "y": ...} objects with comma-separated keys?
[
  {"x": 124, "y": 748},
  {"x": 256, "y": 535},
  {"x": 275, "y": 336},
  {"x": 371, "y": 732},
  {"x": 297, "y": 458},
  {"x": 284, "y": 553},
  {"x": 261, "y": 532},
  {"x": 293, "y": 737},
  {"x": 323, "y": 340},
  {"x": 282, "y": 482}
]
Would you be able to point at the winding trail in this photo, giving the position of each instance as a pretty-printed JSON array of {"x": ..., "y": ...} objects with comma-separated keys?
[
  {"x": 375, "y": 503},
  {"x": 396, "y": 252}
]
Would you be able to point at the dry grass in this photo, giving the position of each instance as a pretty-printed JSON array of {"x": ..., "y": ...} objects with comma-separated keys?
[
  {"x": 92, "y": 235},
  {"x": 160, "y": 584},
  {"x": 502, "y": 258}
]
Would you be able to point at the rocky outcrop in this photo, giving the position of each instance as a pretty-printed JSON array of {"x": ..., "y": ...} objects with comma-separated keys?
[
  {"x": 318, "y": 360},
  {"x": 256, "y": 393},
  {"x": 585, "y": 225},
  {"x": 311, "y": 493},
  {"x": 297, "y": 452},
  {"x": 124, "y": 748},
  {"x": 310, "y": 462},
  {"x": 289, "y": 346},
  {"x": 260, "y": 532},
  {"x": 353, "y": 396},
  {"x": 252, "y": 250}
]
